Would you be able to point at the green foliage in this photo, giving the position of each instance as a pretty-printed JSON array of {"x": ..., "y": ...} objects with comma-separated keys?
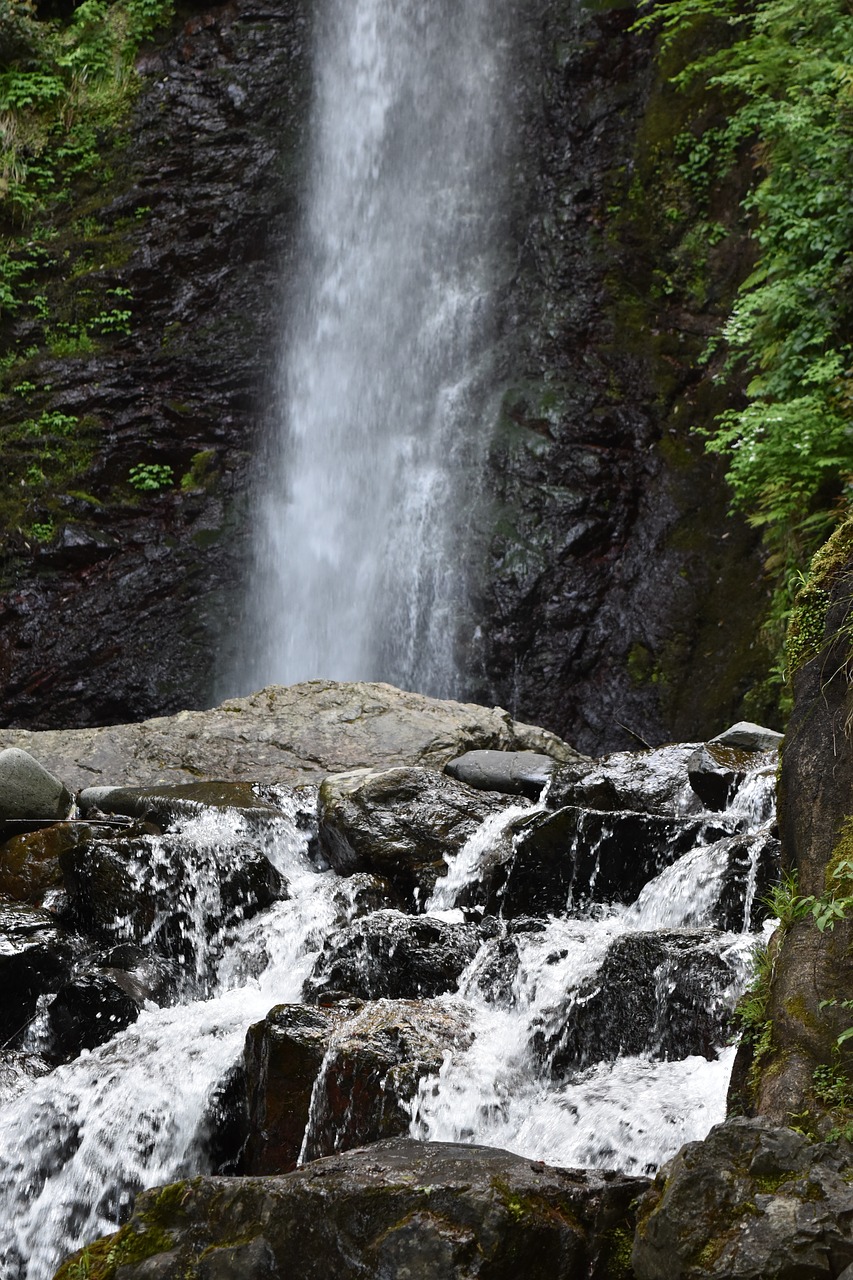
[
  {"x": 785, "y": 72},
  {"x": 63, "y": 81},
  {"x": 150, "y": 477}
]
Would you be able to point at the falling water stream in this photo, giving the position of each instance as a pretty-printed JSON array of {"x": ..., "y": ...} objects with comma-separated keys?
[
  {"x": 383, "y": 405},
  {"x": 76, "y": 1145}
]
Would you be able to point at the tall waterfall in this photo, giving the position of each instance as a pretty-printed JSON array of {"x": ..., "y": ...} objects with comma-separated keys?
[{"x": 383, "y": 409}]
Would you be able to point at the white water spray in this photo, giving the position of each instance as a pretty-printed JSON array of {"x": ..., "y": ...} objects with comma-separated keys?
[{"x": 383, "y": 414}]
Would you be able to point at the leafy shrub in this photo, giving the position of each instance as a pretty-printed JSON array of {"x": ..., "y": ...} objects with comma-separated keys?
[{"x": 785, "y": 72}]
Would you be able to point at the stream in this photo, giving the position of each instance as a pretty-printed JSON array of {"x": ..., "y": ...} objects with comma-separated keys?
[{"x": 596, "y": 1033}]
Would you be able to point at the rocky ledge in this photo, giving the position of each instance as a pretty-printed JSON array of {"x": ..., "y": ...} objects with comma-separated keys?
[
  {"x": 398, "y": 1208},
  {"x": 295, "y": 734}
]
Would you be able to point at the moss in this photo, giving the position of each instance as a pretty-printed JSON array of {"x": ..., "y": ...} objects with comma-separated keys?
[
  {"x": 618, "y": 1246},
  {"x": 838, "y": 880},
  {"x": 807, "y": 625},
  {"x": 533, "y": 1206},
  {"x": 100, "y": 1261}
]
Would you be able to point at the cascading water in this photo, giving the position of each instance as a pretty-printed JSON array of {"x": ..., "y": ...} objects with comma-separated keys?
[
  {"x": 553, "y": 1066},
  {"x": 383, "y": 402}
]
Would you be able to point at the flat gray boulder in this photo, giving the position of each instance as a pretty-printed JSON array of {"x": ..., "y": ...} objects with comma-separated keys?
[
  {"x": 293, "y": 734},
  {"x": 515, "y": 773},
  {"x": 749, "y": 737},
  {"x": 27, "y": 790}
]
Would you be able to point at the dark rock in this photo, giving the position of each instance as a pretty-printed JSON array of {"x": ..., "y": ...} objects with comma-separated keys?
[
  {"x": 34, "y": 960},
  {"x": 645, "y": 781},
  {"x": 749, "y": 737},
  {"x": 559, "y": 861},
  {"x": 399, "y": 824},
  {"x": 372, "y": 1068},
  {"x": 436, "y": 1211},
  {"x": 29, "y": 863},
  {"x": 393, "y": 955},
  {"x": 283, "y": 1056},
  {"x": 750, "y": 1201},
  {"x": 171, "y": 893},
  {"x": 223, "y": 1133},
  {"x": 813, "y": 971},
  {"x": 516, "y": 773},
  {"x": 753, "y": 867},
  {"x": 162, "y": 805},
  {"x": 89, "y": 1009},
  {"x": 27, "y": 790},
  {"x": 665, "y": 994},
  {"x": 292, "y": 735},
  {"x": 717, "y": 771}
]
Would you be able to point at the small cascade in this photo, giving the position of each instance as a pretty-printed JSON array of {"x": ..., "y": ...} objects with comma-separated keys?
[
  {"x": 589, "y": 1027},
  {"x": 467, "y": 867}
]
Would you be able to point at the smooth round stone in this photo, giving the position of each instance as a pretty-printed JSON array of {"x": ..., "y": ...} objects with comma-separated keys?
[{"x": 27, "y": 790}]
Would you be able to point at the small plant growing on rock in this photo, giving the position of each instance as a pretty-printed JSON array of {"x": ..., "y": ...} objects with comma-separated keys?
[{"x": 150, "y": 477}]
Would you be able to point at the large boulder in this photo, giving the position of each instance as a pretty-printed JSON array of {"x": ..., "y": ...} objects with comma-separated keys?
[
  {"x": 436, "y": 1211},
  {"x": 393, "y": 955},
  {"x": 372, "y": 1069},
  {"x": 282, "y": 1060},
  {"x": 28, "y": 790},
  {"x": 400, "y": 824},
  {"x": 292, "y": 734},
  {"x": 559, "y": 861},
  {"x": 751, "y": 1202},
  {"x": 666, "y": 994},
  {"x": 653, "y": 781}
]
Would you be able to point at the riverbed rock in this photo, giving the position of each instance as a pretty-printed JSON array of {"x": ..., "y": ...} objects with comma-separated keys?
[
  {"x": 515, "y": 773},
  {"x": 29, "y": 863},
  {"x": 664, "y": 993},
  {"x": 171, "y": 893},
  {"x": 749, "y": 737},
  {"x": 751, "y": 1201},
  {"x": 34, "y": 960},
  {"x": 393, "y": 955},
  {"x": 716, "y": 771},
  {"x": 293, "y": 734},
  {"x": 28, "y": 790},
  {"x": 653, "y": 781},
  {"x": 435, "y": 1211},
  {"x": 557, "y": 860},
  {"x": 164, "y": 804},
  {"x": 89, "y": 1009},
  {"x": 400, "y": 824},
  {"x": 282, "y": 1059},
  {"x": 372, "y": 1068}
]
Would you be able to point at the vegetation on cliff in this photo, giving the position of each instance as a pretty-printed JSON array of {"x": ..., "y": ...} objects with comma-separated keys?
[{"x": 784, "y": 72}]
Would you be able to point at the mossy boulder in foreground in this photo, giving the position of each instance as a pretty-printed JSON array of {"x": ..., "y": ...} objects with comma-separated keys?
[{"x": 437, "y": 1211}]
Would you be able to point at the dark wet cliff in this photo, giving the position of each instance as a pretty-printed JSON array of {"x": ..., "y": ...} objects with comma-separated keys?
[{"x": 616, "y": 591}]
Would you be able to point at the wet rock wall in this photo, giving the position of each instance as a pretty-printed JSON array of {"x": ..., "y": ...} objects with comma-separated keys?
[{"x": 611, "y": 572}]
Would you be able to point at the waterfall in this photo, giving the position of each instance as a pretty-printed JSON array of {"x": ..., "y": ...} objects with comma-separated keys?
[{"x": 383, "y": 403}]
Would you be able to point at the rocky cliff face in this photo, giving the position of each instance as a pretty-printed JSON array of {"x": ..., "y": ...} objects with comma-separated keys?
[
  {"x": 611, "y": 572},
  {"x": 117, "y": 600},
  {"x": 768, "y": 1193}
]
